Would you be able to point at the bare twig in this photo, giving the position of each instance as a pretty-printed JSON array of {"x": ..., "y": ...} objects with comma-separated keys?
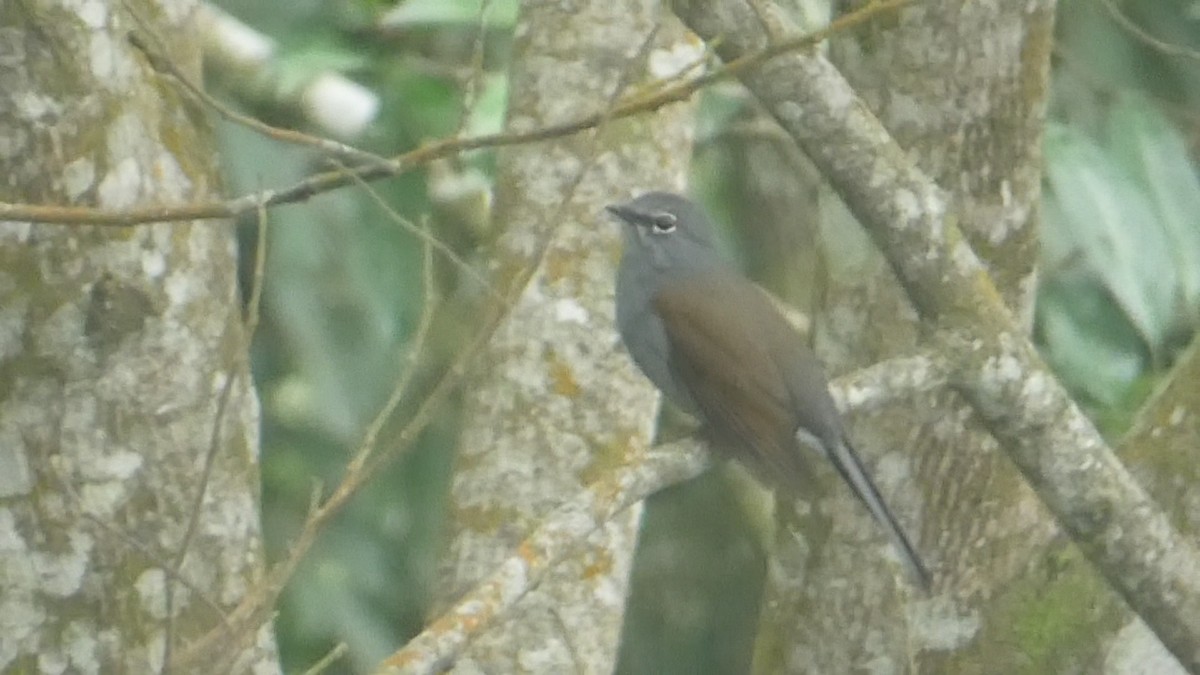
[
  {"x": 330, "y": 180},
  {"x": 157, "y": 560},
  {"x": 420, "y": 232},
  {"x": 416, "y": 346},
  {"x": 176, "y": 567},
  {"x": 155, "y": 557},
  {"x": 517, "y": 285},
  {"x": 259, "y": 282},
  {"x": 250, "y": 326},
  {"x": 326, "y": 661}
]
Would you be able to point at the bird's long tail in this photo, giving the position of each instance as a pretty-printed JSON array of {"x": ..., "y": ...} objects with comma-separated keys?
[{"x": 851, "y": 468}]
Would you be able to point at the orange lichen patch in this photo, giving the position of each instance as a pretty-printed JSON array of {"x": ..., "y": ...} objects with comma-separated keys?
[
  {"x": 448, "y": 623},
  {"x": 460, "y": 624},
  {"x": 562, "y": 378},
  {"x": 600, "y": 566},
  {"x": 400, "y": 659},
  {"x": 607, "y": 457},
  {"x": 529, "y": 554},
  {"x": 471, "y": 623},
  {"x": 559, "y": 265},
  {"x": 484, "y": 519}
]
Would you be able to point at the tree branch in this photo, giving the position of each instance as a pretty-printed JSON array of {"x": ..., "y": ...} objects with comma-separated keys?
[{"x": 373, "y": 169}]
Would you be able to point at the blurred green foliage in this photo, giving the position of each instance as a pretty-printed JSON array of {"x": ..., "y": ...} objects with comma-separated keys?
[
  {"x": 1120, "y": 293},
  {"x": 1121, "y": 231},
  {"x": 1120, "y": 251}
]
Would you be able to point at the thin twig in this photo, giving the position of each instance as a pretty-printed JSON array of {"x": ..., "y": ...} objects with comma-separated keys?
[
  {"x": 176, "y": 568},
  {"x": 155, "y": 558},
  {"x": 415, "y": 347},
  {"x": 158, "y": 561},
  {"x": 260, "y": 273},
  {"x": 255, "y": 605},
  {"x": 330, "y": 180},
  {"x": 250, "y": 325},
  {"x": 326, "y": 661},
  {"x": 419, "y": 232}
]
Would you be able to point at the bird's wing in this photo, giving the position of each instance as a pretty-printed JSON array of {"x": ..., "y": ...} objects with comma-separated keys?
[
  {"x": 763, "y": 414},
  {"x": 747, "y": 410}
]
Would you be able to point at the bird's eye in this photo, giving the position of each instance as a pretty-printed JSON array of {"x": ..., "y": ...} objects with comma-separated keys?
[{"x": 663, "y": 223}]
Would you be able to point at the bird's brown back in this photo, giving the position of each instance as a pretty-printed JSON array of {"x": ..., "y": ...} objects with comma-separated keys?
[{"x": 751, "y": 413}]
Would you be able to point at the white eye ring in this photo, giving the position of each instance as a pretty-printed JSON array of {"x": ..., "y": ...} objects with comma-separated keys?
[{"x": 663, "y": 223}]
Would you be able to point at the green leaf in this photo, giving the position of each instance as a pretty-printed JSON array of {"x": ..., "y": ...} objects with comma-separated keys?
[
  {"x": 1146, "y": 144},
  {"x": 1102, "y": 223},
  {"x": 1087, "y": 340}
]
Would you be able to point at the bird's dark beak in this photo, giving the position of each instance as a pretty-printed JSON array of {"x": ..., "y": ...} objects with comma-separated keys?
[{"x": 622, "y": 212}]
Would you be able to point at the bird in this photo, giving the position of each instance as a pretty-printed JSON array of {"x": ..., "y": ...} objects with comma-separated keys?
[{"x": 717, "y": 347}]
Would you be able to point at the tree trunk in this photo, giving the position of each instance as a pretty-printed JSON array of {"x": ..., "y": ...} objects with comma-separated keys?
[
  {"x": 970, "y": 111},
  {"x": 128, "y": 421},
  {"x": 557, "y": 399}
]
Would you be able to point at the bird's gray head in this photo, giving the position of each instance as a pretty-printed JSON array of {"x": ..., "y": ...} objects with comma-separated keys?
[{"x": 666, "y": 231}]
